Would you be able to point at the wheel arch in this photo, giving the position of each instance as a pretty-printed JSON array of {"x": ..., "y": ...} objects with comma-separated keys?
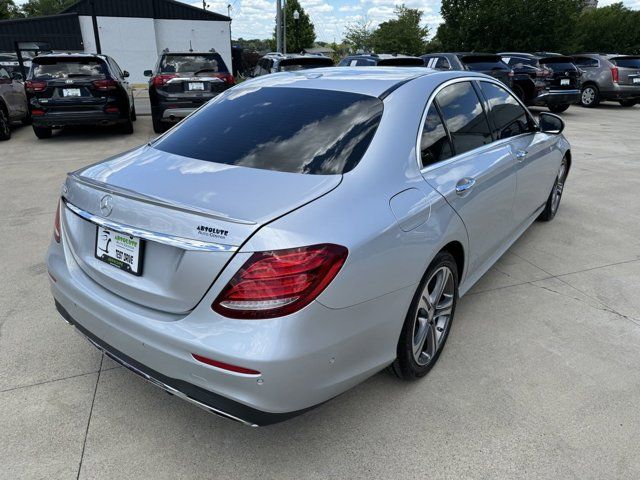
[{"x": 456, "y": 250}]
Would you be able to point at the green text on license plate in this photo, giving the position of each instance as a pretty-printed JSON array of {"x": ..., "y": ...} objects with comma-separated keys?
[{"x": 119, "y": 249}]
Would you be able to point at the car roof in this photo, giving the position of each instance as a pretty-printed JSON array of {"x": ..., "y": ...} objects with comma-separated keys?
[
  {"x": 189, "y": 53},
  {"x": 71, "y": 55},
  {"x": 373, "y": 81}
]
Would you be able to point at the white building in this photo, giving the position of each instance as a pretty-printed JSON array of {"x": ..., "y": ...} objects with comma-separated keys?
[{"x": 133, "y": 32}]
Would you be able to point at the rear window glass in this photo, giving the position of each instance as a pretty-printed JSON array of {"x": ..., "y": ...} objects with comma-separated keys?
[
  {"x": 293, "y": 65},
  {"x": 209, "y": 62},
  {"x": 585, "y": 62},
  {"x": 51, "y": 68},
  {"x": 294, "y": 130},
  {"x": 401, "y": 62},
  {"x": 627, "y": 62},
  {"x": 557, "y": 65}
]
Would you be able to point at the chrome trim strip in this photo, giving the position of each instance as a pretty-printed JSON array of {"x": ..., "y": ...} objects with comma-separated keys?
[
  {"x": 125, "y": 192},
  {"x": 179, "y": 242},
  {"x": 164, "y": 386},
  {"x": 477, "y": 150}
]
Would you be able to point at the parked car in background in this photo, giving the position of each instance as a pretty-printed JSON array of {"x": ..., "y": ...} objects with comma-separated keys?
[
  {"x": 182, "y": 82},
  {"x": 551, "y": 81},
  {"x": 289, "y": 62},
  {"x": 486, "y": 63},
  {"x": 78, "y": 89},
  {"x": 13, "y": 102},
  {"x": 197, "y": 260},
  {"x": 380, "y": 60},
  {"x": 609, "y": 77}
]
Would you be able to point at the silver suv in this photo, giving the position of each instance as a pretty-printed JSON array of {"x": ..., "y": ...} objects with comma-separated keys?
[
  {"x": 609, "y": 77},
  {"x": 13, "y": 102}
]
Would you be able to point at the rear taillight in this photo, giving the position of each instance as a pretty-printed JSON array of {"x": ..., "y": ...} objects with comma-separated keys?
[
  {"x": 112, "y": 110},
  {"x": 281, "y": 282},
  {"x": 57, "y": 231},
  {"x": 107, "y": 84},
  {"x": 36, "y": 112},
  {"x": 160, "y": 80},
  {"x": 32, "y": 86},
  {"x": 615, "y": 75},
  {"x": 226, "y": 78}
]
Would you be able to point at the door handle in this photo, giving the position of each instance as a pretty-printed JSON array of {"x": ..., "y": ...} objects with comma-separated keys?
[
  {"x": 521, "y": 155},
  {"x": 464, "y": 185}
]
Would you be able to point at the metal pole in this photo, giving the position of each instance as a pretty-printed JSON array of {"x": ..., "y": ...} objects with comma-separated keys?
[
  {"x": 96, "y": 32},
  {"x": 278, "y": 26},
  {"x": 284, "y": 27}
]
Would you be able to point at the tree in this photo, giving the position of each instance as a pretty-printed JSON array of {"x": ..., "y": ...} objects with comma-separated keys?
[
  {"x": 359, "y": 36},
  {"x": 45, "y": 7},
  {"x": 517, "y": 25},
  {"x": 613, "y": 28},
  {"x": 403, "y": 34},
  {"x": 300, "y": 34},
  {"x": 8, "y": 9}
]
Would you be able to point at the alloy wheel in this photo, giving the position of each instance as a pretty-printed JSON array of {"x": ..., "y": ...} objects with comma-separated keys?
[
  {"x": 588, "y": 96},
  {"x": 433, "y": 317},
  {"x": 559, "y": 186}
]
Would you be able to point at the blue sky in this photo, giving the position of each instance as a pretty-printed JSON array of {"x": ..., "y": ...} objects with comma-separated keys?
[{"x": 255, "y": 18}]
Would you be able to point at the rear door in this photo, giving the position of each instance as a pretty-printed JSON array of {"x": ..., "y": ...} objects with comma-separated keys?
[
  {"x": 535, "y": 166},
  {"x": 478, "y": 181},
  {"x": 628, "y": 70}
]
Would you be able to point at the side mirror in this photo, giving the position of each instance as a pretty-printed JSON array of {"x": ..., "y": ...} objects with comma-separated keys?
[
  {"x": 17, "y": 76},
  {"x": 148, "y": 73},
  {"x": 550, "y": 123},
  {"x": 125, "y": 74}
]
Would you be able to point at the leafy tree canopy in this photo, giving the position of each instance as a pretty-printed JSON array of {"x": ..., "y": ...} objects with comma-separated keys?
[
  {"x": 403, "y": 34},
  {"x": 612, "y": 29},
  {"x": 45, "y": 7},
  {"x": 8, "y": 9},
  {"x": 302, "y": 35}
]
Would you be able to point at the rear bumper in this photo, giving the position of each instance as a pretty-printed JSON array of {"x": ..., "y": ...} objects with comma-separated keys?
[
  {"x": 63, "y": 119},
  {"x": 557, "y": 97},
  {"x": 304, "y": 359},
  {"x": 622, "y": 92}
]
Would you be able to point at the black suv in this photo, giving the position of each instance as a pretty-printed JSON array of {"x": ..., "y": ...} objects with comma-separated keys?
[
  {"x": 381, "y": 60},
  {"x": 486, "y": 63},
  {"x": 287, "y": 62},
  {"x": 78, "y": 89},
  {"x": 551, "y": 81},
  {"x": 182, "y": 82}
]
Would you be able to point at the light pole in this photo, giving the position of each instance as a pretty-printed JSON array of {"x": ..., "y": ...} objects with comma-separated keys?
[
  {"x": 284, "y": 27},
  {"x": 296, "y": 19}
]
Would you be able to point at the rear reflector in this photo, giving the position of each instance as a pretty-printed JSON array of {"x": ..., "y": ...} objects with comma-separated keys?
[
  {"x": 278, "y": 283},
  {"x": 37, "y": 112},
  {"x": 225, "y": 366},
  {"x": 112, "y": 110},
  {"x": 56, "y": 225}
]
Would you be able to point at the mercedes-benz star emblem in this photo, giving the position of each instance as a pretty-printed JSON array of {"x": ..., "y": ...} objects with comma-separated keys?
[{"x": 106, "y": 205}]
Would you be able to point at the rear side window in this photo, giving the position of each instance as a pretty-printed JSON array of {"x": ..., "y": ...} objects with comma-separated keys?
[
  {"x": 434, "y": 142},
  {"x": 294, "y": 130},
  {"x": 585, "y": 62},
  {"x": 178, "y": 63},
  {"x": 442, "y": 64},
  {"x": 464, "y": 117},
  {"x": 626, "y": 62},
  {"x": 509, "y": 118},
  {"x": 4, "y": 73},
  {"x": 61, "y": 68},
  {"x": 484, "y": 65}
]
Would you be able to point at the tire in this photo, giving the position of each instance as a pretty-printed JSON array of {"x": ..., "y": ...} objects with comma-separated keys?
[
  {"x": 628, "y": 103},
  {"x": 27, "y": 120},
  {"x": 517, "y": 89},
  {"x": 134, "y": 117},
  {"x": 158, "y": 126},
  {"x": 126, "y": 127},
  {"x": 559, "y": 108},
  {"x": 427, "y": 327},
  {"x": 553, "y": 202},
  {"x": 590, "y": 96},
  {"x": 5, "y": 125},
  {"x": 42, "y": 132}
]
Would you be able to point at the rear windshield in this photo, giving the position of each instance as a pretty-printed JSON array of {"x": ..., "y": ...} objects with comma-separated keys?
[
  {"x": 284, "y": 129},
  {"x": 401, "y": 62},
  {"x": 558, "y": 63},
  {"x": 191, "y": 63},
  {"x": 60, "y": 68},
  {"x": 628, "y": 62},
  {"x": 291, "y": 65},
  {"x": 484, "y": 63}
]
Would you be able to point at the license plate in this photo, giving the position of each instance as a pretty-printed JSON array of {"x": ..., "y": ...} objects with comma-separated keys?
[
  {"x": 564, "y": 81},
  {"x": 636, "y": 80},
  {"x": 120, "y": 250},
  {"x": 71, "y": 92},
  {"x": 196, "y": 86}
]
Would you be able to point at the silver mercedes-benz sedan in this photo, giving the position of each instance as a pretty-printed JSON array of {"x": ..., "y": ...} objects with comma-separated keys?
[{"x": 301, "y": 232}]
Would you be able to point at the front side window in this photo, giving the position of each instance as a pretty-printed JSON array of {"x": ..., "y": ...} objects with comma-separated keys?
[
  {"x": 464, "y": 117},
  {"x": 296, "y": 130},
  {"x": 434, "y": 142},
  {"x": 509, "y": 117}
]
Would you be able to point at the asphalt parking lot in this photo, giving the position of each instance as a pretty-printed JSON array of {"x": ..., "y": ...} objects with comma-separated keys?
[{"x": 540, "y": 377}]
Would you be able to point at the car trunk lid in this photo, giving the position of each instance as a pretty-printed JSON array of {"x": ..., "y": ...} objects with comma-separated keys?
[
  {"x": 191, "y": 216},
  {"x": 628, "y": 70},
  {"x": 564, "y": 75}
]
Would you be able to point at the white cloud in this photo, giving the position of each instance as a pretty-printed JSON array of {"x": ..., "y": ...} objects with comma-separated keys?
[{"x": 350, "y": 8}]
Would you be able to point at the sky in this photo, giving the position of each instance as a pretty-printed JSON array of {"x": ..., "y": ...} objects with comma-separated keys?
[{"x": 256, "y": 18}]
